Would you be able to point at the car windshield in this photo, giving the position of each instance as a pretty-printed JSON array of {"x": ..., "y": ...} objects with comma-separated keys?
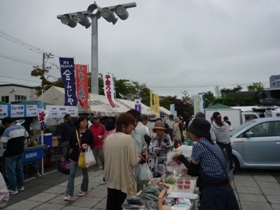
[{"x": 239, "y": 128}]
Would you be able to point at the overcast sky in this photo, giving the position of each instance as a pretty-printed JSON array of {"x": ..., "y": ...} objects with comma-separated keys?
[{"x": 191, "y": 45}]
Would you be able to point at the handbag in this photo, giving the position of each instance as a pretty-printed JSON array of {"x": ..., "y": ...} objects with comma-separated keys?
[
  {"x": 90, "y": 160},
  {"x": 64, "y": 165},
  {"x": 82, "y": 158}
]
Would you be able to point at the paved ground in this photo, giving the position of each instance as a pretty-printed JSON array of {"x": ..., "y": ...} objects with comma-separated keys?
[{"x": 255, "y": 190}]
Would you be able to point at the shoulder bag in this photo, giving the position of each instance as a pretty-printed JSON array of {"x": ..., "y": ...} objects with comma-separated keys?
[{"x": 82, "y": 158}]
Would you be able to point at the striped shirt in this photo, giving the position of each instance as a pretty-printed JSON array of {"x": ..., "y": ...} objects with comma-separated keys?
[{"x": 14, "y": 137}]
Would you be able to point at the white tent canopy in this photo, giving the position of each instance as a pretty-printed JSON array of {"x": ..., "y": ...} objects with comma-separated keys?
[{"x": 99, "y": 104}]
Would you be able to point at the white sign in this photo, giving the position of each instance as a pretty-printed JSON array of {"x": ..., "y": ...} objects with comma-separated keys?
[
  {"x": 3, "y": 111},
  {"x": 60, "y": 111},
  {"x": 31, "y": 110},
  {"x": 17, "y": 111}
]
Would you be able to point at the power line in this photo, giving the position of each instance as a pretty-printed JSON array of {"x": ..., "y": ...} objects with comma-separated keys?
[
  {"x": 19, "y": 79},
  {"x": 13, "y": 58},
  {"x": 20, "y": 42}
]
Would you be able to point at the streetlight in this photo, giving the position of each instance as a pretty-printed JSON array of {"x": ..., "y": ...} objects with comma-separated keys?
[{"x": 94, "y": 12}]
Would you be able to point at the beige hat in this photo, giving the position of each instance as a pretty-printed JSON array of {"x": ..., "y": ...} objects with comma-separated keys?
[{"x": 159, "y": 125}]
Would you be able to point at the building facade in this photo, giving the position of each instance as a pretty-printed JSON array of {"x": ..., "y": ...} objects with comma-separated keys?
[
  {"x": 13, "y": 93},
  {"x": 274, "y": 81}
]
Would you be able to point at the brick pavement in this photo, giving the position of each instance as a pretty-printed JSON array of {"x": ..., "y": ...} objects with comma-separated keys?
[{"x": 254, "y": 190}]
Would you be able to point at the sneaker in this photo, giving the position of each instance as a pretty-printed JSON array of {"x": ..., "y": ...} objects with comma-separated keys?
[
  {"x": 82, "y": 193},
  {"x": 68, "y": 198},
  {"x": 103, "y": 182},
  {"x": 13, "y": 192},
  {"x": 20, "y": 189}
]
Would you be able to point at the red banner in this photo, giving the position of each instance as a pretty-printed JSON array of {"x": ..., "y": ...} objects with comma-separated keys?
[
  {"x": 82, "y": 84},
  {"x": 109, "y": 89}
]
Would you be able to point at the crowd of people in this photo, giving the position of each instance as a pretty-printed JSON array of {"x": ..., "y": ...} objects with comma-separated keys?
[{"x": 121, "y": 145}]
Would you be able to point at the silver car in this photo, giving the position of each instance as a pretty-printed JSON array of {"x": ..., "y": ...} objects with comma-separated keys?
[{"x": 256, "y": 144}]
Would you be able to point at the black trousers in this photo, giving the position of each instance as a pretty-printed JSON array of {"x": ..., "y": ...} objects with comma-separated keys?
[
  {"x": 229, "y": 152},
  {"x": 115, "y": 199}
]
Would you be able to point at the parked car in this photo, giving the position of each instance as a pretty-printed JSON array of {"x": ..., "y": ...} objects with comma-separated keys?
[{"x": 256, "y": 144}]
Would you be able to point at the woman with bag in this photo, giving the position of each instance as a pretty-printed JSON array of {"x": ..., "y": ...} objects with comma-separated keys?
[
  {"x": 121, "y": 157},
  {"x": 209, "y": 164},
  {"x": 80, "y": 140}
]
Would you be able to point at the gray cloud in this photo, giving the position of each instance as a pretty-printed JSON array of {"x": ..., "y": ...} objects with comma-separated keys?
[{"x": 188, "y": 45}]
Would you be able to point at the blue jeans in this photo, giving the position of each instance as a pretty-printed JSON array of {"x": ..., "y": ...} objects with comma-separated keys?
[
  {"x": 14, "y": 171},
  {"x": 71, "y": 177}
]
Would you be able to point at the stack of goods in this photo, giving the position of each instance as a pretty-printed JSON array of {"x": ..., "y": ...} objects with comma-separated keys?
[{"x": 150, "y": 194}]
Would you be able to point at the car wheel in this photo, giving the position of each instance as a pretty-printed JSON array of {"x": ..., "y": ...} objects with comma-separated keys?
[{"x": 236, "y": 165}]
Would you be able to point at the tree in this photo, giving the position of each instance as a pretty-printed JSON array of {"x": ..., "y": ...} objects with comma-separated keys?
[
  {"x": 224, "y": 91},
  {"x": 183, "y": 108},
  {"x": 217, "y": 91},
  {"x": 208, "y": 99},
  {"x": 186, "y": 98},
  {"x": 45, "y": 84},
  {"x": 255, "y": 86}
]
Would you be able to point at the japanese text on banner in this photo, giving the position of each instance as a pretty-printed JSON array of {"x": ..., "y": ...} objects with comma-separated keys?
[
  {"x": 82, "y": 84},
  {"x": 109, "y": 89},
  {"x": 68, "y": 80}
]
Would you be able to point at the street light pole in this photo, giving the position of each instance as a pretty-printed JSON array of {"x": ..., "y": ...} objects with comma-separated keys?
[
  {"x": 94, "y": 55},
  {"x": 94, "y": 12}
]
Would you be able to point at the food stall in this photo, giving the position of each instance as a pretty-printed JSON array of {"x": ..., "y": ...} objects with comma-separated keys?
[
  {"x": 22, "y": 111},
  {"x": 35, "y": 149},
  {"x": 175, "y": 190}
]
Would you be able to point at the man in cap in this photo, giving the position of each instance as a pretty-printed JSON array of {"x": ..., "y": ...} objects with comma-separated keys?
[{"x": 14, "y": 137}]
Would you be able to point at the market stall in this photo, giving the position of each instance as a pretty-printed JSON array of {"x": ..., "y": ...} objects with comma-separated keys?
[
  {"x": 35, "y": 146},
  {"x": 175, "y": 189}
]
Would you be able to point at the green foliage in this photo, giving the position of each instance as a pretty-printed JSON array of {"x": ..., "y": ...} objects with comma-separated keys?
[
  {"x": 229, "y": 101},
  {"x": 183, "y": 108},
  {"x": 224, "y": 91},
  {"x": 208, "y": 99},
  {"x": 255, "y": 86},
  {"x": 45, "y": 84}
]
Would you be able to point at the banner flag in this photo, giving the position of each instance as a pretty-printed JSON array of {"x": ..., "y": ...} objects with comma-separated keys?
[
  {"x": 68, "y": 80},
  {"x": 151, "y": 101},
  {"x": 156, "y": 104},
  {"x": 138, "y": 105},
  {"x": 42, "y": 117},
  {"x": 82, "y": 84},
  {"x": 109, "y": 89}
]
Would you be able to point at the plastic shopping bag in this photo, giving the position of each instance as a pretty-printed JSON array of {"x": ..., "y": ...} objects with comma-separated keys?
[
  {"x": 90, "y": 160},
  {"x": 144, "y": 176}
]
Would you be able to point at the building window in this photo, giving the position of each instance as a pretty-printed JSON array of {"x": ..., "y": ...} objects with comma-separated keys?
[
  {"x": 5, "y": 99},
  {"x": 19, "y": 98}
]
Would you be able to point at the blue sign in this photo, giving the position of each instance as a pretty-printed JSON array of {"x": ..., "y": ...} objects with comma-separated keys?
[
  {"x": 68, "y": 80},
  {"x": 33, "y": 154}
]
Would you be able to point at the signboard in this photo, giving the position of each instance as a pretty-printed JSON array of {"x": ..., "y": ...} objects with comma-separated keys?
[
  {"x": 17, "y": 111},
  {"x": 32, "y": 154},
  {"x": 3, "y": 111},
  {"x": 60, "y": 111},
  {"x": 31, "y": 110}
]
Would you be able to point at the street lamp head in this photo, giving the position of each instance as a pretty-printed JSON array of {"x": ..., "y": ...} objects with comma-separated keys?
[
  {"x": 108, "y": 15},
  {"x": 121, "y": 12},
  {"x": 68, "y": 20},
  {"x": 83, "y": 20},
  {"x": 93, "y": 9}
]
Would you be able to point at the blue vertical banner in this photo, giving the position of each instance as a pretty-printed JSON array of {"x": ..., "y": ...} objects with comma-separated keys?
[{"x": 68, "y": 80}]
